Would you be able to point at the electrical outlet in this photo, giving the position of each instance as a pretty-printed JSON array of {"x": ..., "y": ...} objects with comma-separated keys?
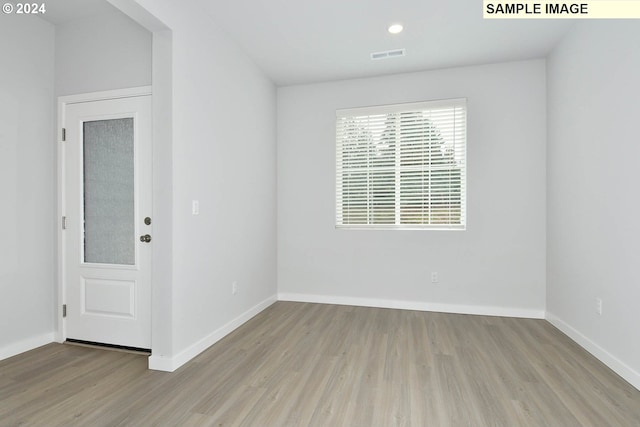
[
  {"x": 234, "y": 288},
  {"x": 599, "y": 306},
  {"x": 195, "y": 207},
  {"x": 434, "y": 277}
]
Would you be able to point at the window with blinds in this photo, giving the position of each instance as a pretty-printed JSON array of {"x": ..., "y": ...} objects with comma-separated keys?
[{"x": 402, "y": 166}]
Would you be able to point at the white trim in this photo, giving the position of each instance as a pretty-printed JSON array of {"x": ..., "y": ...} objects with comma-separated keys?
[
  {"x": 402, "y": 107},
  {"x": 415, "y": 305},
  {"x": 170, "y": 364},
  {"x": 60, "y": 333},
  {"x": 618, "y": 366},
  {"x": 25, "y": 345},
  {"x": 105, "y": 95}
]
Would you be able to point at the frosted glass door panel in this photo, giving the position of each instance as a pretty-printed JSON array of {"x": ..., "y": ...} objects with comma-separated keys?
[{"x": 109, "y": 208}]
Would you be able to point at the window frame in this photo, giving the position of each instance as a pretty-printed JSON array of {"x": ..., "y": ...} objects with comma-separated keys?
[{"x": 460, "y": 141}]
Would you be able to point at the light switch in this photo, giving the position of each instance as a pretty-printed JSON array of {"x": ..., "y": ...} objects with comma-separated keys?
[{"x": 195, "y": 207}]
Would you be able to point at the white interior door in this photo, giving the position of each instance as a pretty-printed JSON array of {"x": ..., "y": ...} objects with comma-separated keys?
[{"x": 107, "y": 206}]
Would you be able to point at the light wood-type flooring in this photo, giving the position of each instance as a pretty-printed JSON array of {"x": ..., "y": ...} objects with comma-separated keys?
[{"x": 298, "y": 364}]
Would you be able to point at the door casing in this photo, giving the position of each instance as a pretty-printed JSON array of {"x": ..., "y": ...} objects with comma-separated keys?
[{"x": 63, "y": 101}]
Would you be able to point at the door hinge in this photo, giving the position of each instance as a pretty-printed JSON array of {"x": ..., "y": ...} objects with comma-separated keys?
[
  {"x": 64, "y": 222},
  {"x": 64, "y": 134},
  {"x": 64, "y": 310}
]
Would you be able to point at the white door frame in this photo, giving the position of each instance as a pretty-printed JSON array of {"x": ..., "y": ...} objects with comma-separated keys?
[{"x": 63, "y": 101}]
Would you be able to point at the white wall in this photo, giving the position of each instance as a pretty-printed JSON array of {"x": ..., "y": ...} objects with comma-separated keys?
[
  {"x": 27, "y": 190},
  {"x": 224, "y": 155},
  {"x": 593, "y": 198},
  {"x": 101, "y": 52},
  {"x": 496, "y": 266}
]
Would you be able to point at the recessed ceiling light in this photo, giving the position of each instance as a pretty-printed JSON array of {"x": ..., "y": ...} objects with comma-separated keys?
[{"x": 395, "y": 28}]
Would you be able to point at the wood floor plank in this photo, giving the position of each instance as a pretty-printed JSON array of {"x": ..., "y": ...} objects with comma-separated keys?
[{"x": 298, "y": 364}]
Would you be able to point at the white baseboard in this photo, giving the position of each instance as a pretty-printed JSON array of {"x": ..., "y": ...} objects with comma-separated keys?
[
  {"x": 170, "y": 364},
  {"x": 619, "y": 367},
  {"x": 415, "y": 305},
  {"x": 25, "y": 345},
  {"x": 161, "y": 363}
]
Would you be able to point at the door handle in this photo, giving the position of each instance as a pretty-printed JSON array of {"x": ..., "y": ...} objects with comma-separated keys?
[{"x": 146, "y": 238}]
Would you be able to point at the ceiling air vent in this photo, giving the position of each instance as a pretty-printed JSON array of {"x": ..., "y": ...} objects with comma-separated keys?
[{"x": 388, "y": 54}]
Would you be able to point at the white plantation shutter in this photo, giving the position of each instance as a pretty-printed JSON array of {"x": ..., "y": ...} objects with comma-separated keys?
[{"x": 402, "y": 166}]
